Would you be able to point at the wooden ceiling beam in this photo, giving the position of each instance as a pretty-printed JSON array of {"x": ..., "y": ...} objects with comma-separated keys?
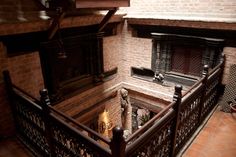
[
  {"x": 106, "y": 19},
  {"x": 56, "y": 23}
]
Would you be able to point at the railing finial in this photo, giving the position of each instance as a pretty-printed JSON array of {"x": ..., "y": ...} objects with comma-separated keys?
[
  {"x": 118, "y": 132},
  {"x": 222, "y": 58},
  {"x": 205, "y": 70},
  {"x": 118, "y": 142},
  {"x": 45, "y": 101},
  {"x": 178, "y": 92}
]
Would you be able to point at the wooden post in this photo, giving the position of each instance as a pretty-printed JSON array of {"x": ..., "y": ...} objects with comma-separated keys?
[
  {"x": 204, "y": 82},
  {"x": 8, "y": 83},
  {"x": 45, "y": 102},
  {"x": 106, "y": 19},
  {"x": 10, "y": 96},
  {"x": 118, "y": 142},
  {"x": 221, "y": 86},
  {"x": 177, "y": 99}
]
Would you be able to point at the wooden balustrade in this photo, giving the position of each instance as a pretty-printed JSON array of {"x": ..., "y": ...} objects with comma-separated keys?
[{"x": 49, "y": 132}]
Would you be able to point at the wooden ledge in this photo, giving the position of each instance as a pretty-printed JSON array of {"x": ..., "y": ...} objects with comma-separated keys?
[
  {"x": 216, "y": 25},
  {"x": 18, "y": 27}
]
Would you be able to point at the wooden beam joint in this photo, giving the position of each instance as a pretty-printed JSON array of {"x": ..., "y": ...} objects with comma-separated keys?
[{"x": 106, "y": 19}]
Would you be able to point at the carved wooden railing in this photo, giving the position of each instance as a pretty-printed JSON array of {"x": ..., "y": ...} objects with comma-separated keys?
[
  {"x": 49, "y": 132},
  {"x": 166, "y": 134},
  {"x": 28, "y": 116}
]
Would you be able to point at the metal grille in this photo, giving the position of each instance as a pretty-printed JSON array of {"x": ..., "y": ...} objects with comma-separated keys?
[
  {"x": 178, "y": 60},
  {"x": 195, "y": 59},
  {"x": 230, "y": 90}
]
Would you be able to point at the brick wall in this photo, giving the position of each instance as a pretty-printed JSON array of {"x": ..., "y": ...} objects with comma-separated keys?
[
  {"x": 230, "y": 59},
  {"x": 191, "y": 9},
  {"x": 137, "y": 53},
  {"x": 25, "y": 71}
]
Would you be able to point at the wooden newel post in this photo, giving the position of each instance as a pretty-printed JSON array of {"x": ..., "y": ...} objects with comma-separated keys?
[
  {"x": 45, "y": 102},
  {"x": 10, "y": 96},
  {"x": 221, "y": 86},
  {"x": 204, "y": 82},
  {"x": 205, "y": 70},
  {"x": 118, "y": 142},
  {"x": 177, "y": 99},
  {"x": 8, "y": 82}
]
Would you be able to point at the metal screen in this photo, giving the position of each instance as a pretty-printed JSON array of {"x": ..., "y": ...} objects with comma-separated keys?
[{"x": 230, "y": 90}]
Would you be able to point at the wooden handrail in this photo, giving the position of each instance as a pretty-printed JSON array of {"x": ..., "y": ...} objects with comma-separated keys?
[
  {"x": 155, "y": 128},
  {"x": 90, "y": 140},
  {"x": 213, "y": 74},
  {"x": 97, "y": 135},
  {"x": 215, "y": 68},
  {"x": 149, "y": 123},
  {"x": 25, "y": 93},
  {"x": 200, "y": 81},
  {"x": 194, "y": 86},
  {"x": 27, "y": 98}
]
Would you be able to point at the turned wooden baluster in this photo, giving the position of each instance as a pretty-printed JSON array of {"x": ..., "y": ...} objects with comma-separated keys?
[
  {"x": 204, "y": 82},
  {"x": 177, "y": 98},
  {"x": 45, "y": 102}
]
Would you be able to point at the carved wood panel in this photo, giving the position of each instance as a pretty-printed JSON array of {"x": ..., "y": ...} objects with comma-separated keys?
[
  {"x": 30, "y": 126},
  {"x": 79, "y": 67},
  {"x": 189, "y": 117},
  {"x": 71, "y": 142},
  {"x": 158, "y": 142}
]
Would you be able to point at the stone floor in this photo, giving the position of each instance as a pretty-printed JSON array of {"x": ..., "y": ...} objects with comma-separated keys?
[{"x": 217, "y": 138}]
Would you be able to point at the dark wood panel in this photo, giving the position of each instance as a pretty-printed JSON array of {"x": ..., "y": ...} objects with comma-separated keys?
[
  {"x": 187, "y": 60},
  {"x": 101, "y": 3},
  {"x": 80, "y": 66},
  {"x": 145, "y": 31}
]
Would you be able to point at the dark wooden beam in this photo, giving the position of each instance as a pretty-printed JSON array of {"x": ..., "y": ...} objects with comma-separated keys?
[
  {"x": 101, "y": 3},
  {"x": 106, "y": 19},
  {"x": 56, "y": 23}
]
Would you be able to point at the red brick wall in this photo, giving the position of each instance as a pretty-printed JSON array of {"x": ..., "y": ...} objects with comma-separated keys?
[
  {"x": 230, "y": 59},
  {"x": 193, "y": 9},
  {"x": 25, "y": 71},
  {"x": 137, "y": 53}
]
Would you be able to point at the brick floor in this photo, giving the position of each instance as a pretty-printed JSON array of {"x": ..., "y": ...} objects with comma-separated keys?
[{"x": 217, "y": 138}]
